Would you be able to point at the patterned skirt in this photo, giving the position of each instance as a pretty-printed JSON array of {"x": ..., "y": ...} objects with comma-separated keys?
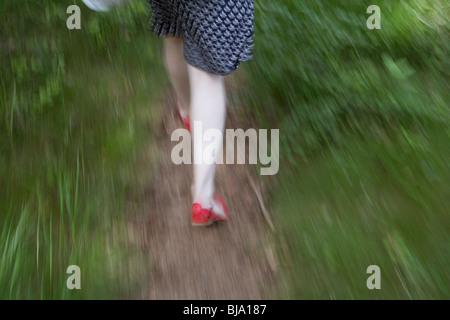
[{"x": 217, "y": 34}]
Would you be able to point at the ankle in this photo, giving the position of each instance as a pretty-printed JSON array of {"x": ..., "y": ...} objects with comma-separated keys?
[
  {"x": 184, "y": 112},
  {"x": 205, "y": 201}
]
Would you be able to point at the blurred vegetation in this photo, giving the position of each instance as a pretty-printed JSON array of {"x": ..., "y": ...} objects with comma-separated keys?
[
  {"x": 329, "y": 76},
  {"x": 364, "y": 126},
  {"x": 74, "y": 110}
]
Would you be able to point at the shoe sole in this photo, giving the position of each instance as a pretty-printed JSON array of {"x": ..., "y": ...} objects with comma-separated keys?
[{"x": 204, "y": 224}]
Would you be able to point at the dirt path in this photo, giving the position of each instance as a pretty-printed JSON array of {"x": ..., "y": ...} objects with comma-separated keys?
[{"x": 232, "y": 260}]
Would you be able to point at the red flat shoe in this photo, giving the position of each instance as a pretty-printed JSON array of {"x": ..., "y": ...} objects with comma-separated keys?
[
  {"x": 202, "y": 217},
  {"x": 185, "y": 119},
  {"x": 186, "y": 122},
  {"x": 219, "y": 209}
]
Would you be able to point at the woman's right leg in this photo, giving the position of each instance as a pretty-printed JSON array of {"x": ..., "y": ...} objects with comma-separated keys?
[
  {"x": 208, "y": 108},
  {"x": 203, "y": 94}
]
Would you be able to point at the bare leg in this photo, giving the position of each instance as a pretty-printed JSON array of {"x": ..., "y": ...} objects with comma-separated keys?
[
  {"x": 207, "y": 107},
  {"x": 177, "y": 69}
]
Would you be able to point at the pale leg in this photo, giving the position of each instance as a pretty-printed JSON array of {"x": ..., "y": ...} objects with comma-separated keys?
[
  {"x": 177, "y": 69},
  {"x": 208, "y": 107}
]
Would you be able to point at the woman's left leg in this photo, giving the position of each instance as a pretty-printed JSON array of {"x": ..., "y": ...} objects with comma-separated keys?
[{"x": 177, "y": 69}]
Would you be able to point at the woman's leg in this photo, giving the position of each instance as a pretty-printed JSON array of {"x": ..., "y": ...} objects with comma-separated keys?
[
  {"x": 208, "y": 108},
  {"x": 203, "y": 96},
  {"x": 177, "y": 69}
]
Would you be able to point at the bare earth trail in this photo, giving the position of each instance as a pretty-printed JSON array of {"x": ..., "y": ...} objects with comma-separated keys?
[{"x": 230, "y": 260}]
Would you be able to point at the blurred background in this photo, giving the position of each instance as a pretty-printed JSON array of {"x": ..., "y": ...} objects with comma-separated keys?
[{"x": 364, "y": 144}]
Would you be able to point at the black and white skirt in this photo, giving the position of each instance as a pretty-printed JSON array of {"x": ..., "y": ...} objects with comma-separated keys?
[{"x": 217, "y": 33}]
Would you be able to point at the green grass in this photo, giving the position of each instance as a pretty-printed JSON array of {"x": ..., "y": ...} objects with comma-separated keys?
[
  {"x": 370, "y": 203},
  {"x": 364, "y": 142},
  {"x": 364, "y": 145},
  {"x": 75, "y": 107}
]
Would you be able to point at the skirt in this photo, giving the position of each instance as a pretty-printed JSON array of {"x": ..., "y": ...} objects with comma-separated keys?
[{"x": 217, "y": 34}]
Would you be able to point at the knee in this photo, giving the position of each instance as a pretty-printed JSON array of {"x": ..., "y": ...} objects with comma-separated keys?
[
  {"x": 173, "y": 52},
  {"x": 202, "y": 77}
]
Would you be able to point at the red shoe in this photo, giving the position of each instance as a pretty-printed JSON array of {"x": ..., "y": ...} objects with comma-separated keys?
[
  {"x": 186, "y": 122},
  {"x": 204, "y": 217},
  {"x": 185, "y": 119}
]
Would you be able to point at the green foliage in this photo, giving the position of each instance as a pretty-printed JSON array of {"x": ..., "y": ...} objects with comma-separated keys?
[
  {"x": 73, "y": 114},
  {"x": 36, "y": 46},
  {"x": 368, "y": 203},
  {"x": 364, "y": 126},
  {"x": 32, "y": 64},
  {"x": 370, "y": 107},
  {"x": 323, "y": 75}
]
